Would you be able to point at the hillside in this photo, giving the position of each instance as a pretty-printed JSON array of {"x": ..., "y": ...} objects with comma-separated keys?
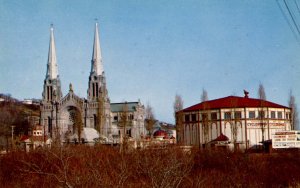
[{"x": 15, "y": 113}]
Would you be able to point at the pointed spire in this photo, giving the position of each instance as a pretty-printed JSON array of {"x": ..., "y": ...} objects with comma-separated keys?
[
  {"x": 97, "y": 66},
  {"x": 52, "y": 70}
]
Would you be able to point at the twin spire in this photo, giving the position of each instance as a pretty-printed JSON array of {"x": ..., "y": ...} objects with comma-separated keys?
[
  {"x": 52, "y": 70},
  {"x": 97, "y": 67}
]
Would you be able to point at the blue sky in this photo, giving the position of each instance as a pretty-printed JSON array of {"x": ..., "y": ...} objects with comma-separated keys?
[{"x": 152, "y": 49}]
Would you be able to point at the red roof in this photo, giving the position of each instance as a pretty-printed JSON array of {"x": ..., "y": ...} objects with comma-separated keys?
[
  {"x": 160, "y": 133},
  {"x": 233, "y": 102},
  {"x": 33, "y": 138},
  {"x": 24, "y": 137}
]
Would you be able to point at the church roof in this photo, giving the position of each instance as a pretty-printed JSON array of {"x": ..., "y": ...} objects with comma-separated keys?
[
  {"x": 233, "y": 102},
  {"x": 118, "y": 107}
]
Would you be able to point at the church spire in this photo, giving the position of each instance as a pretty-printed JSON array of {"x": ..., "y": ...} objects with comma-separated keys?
[
  {"x": 52, "y": 89},
  {"x": 97, "y": 66},
  {"x": 52, "y": 71}
]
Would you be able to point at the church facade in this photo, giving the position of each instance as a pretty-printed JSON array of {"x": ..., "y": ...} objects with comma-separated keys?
[{"x": 65, "y": 116}]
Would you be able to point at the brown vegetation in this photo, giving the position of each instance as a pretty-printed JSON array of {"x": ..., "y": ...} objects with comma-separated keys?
[
  {"x": 21, "y": 116},
  {"x": 101, "y": 166}
]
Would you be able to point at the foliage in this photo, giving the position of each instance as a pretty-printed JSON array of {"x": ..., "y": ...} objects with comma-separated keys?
[
  {"x": 21, "y": 116},
  {"x": 103, "y": 166}
]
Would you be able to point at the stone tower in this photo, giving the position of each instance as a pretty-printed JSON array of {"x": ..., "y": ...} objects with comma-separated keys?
[
  {"x": 52, "y": 88},
  {"x": 99, "y": 103},
  {"x": 65, "y": 118}
]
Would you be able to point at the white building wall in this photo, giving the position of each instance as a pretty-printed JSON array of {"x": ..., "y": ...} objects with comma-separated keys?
[
  {"x": 214, "y": 131},
  {"x": 248, "y": 129}
]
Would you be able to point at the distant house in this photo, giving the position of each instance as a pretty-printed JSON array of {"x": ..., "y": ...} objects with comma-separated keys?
[
  {"x": 246, "y": 122},
  {"x": 27, "y": 101},
  {"x": 169, "y": 128},
  {"x": 36, "y": 140}
]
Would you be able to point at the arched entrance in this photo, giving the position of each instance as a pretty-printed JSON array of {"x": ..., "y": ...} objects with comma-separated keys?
[{"x": 71, "y": 121}]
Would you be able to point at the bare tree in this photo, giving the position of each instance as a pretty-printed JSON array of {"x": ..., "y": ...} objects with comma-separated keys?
[
  {"x": 149, "y": 119},
  {"x": 234, "y": 116},
  {"x": 204, "y": 95},
  {"x": 178, "y": 106},
  {"x": 14, "y": 113},
  {"x": 262, "y": 97},
  {"x": 205, "y": 122},
  {"x": 123, "y": 123},
  {"x": 205, "y": 127},
  {"x": 58, "y": 157},
  {"x": 261, "y": 92},
  {"x": 294, "y": 113},
  {"x": 100, "y": 113},
  {"x": 205, "y": 119},
  {"x": 78, "y": 123}
]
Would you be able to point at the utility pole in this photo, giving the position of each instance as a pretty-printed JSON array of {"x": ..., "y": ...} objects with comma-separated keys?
[
  {"x": 85, "y": 114},
  {"x": 12, "y": 136}
]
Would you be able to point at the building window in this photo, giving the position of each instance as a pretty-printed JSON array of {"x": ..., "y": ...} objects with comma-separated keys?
[
  {"x": 128, "y": 132},
  {"x": 261, "y": 114},
  {"x": 95, "y": 121},
  {"x": 288, "y": 116},
  {"x": 273, "y": 114},
  {"x": 194, "y": 117},
  {"x": 214, "y": 116},
  {"x": 227, "y": 115},
  {"x": 279, "y": 115},
  {"x": 204, "y": 117},
  {"x": 252, "y": 114},
  {"x": 131, "y": 117},
  {"x": 237, "y": 115},
  {"x": 115, "y": 118},
  {"x": 187, "y": 118}
]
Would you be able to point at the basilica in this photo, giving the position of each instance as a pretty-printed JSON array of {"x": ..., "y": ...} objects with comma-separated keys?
[{"x": 65, "y": 116}]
